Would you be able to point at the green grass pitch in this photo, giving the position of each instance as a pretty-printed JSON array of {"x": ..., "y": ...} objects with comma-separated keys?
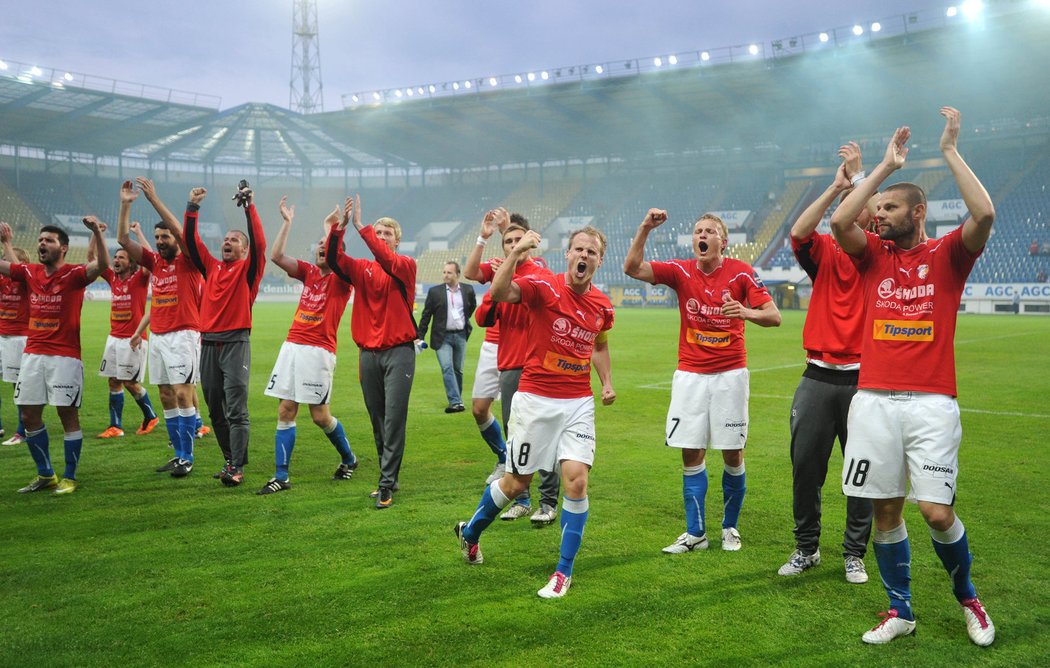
[{"x": 137, "y": 568}]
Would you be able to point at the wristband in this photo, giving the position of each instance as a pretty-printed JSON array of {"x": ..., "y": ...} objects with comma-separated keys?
[
  {"x": 482, "y": 241},
  {"x": 857, "y": 178}
]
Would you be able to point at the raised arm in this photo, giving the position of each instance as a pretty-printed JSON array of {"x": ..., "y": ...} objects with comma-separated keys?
[
  {"x": 635, "y": 265},
  {"x": 191, "y": 242},
  {"x": 136, "y": 229},
  {"x": 978, "y": 227},
  {"x": 286, "y": 262},
  {"x": 6, "y": 235},
  {"x": 337, "y": 260},
  {"x": 489, "y": 224},
  {"x": 166, "y": 216},
  {"x": 848, "y": 235},
  {"x": 128, "y": 195},
  {"x": 603, "y": 366},
  {"x": 92, "y": 249},
  {"x": 99, "y": 265},
  {"x": 504, "y": 289},
  {"x": 256, "y": 239},
  {"x": 809, "y": 219}
]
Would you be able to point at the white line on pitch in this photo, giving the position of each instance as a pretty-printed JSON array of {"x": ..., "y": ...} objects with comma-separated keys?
[{"x": 994, "y": 338}]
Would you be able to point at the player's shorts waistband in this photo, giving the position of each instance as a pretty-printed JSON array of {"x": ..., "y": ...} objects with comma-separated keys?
[{"x": 831, "y": 376}]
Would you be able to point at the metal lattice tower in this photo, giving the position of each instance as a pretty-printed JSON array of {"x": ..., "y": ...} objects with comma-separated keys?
[{"x": 306, "y": 93}]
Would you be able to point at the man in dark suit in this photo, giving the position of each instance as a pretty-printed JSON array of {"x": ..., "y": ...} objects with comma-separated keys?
[{"x": 450, "y": 305}]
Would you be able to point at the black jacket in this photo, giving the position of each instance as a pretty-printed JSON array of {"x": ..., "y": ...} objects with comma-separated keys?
[{"x": 436, "y": 306}]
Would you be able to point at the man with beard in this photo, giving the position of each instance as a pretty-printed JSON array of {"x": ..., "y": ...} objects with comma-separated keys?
[
  {"x": 709, "y": 392},
  {"x": 552, "y": 415},
  {"x": 52, "y": 372},
  {"x": 231, "y": 284},
  {"x": 904, "y": 428},
  {"x": 174, "y": 320}
]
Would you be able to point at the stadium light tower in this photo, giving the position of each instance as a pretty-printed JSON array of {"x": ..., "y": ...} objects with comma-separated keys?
[{"x": 306, "y": 94}]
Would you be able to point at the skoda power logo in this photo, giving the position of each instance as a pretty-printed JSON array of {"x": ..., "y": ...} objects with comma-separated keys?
[
  {"x": 692, "y": 306},
  {"x": 887, "y": 288},
  {"x": 562, "y": 327}
]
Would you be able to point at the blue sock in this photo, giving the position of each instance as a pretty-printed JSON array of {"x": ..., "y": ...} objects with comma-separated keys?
[
  {"x": 38, "y": 448},
  {"x": 146, "y": 406},
  {"x": 171, "y": 423},
  {"x": 73, "y": 442},
  {"x": 734, "y": 486},
  {"x": 494, "y": 438},
  {"x": 954, "y": 550},
  {"x": 198, "y": 422},
  {"x": 116, "y": 409},
  {"x": 284, "y": 442},
  {"x": 186, "y": 432},
  {"x": 573, "y": 520},
  {"x": 21, "y": 427},
  {"x": 694, "y": 491},
  {"x": 893, "y": 554},
  {"x": 337, "y": 435},
  {"x": 492, "y": 501}
]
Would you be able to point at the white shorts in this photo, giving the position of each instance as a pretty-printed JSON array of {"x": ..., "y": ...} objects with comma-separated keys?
[
  {"x": 302, "y": 374},
  {"x": 52, "y": 380},
  {"x": 544, "y": 431},
  {"x": 175, "y": 358},
  {"x": 121, "y": 362},
  {"x": 11, "y": 348},
  {"x": 897, "y": 438},
  {"x": 486, "y": 377},
  {"x": 708, "y": 410}
]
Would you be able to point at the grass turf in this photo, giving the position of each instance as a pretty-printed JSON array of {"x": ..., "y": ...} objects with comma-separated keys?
[{"x": 139, "y": 568}]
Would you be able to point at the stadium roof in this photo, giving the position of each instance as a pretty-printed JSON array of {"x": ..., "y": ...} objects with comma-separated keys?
[{"x": 992, "y": 71}]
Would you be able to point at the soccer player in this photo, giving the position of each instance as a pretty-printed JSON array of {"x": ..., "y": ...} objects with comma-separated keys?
[
  {"x": 174, "y": 320},
  {"x": 904, "y": 420},
  {"x": 552, "y": 415},
  {"x": 832, "y": 339},
  {"x": 486, "y": 387},
  {"x": 709, "y": 391},
  {"x": 123, "y": 365},
  {"x": 514, "y": 347},
  {"x": 306, "y": 364},
  {"x": 14, "y": 326},
  {"x": 52, "y": 372},
  {"x": 231, "y": 284},
  {"x": 383, "y": 327}
]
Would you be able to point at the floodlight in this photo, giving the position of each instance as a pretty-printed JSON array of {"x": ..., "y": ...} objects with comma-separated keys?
[
  {"x": 432, "y": 89},
  {"x": 397, "y": 93},
  {"x": 3, "y": 65},
  {"x": 876, "y": 27},
  {"x": 455, "y": 85},
  {"x": 58, "y": 84},
  {"x": 858, "y": 30},
  {"x": 35, "y": 71},
  {"x": 492, "y": 81},
  {"x": 753, "y": 49},
  {"x": 705, "y": 56},
  {"x": 544, "y": 75},
  {"x": 951, "y": 11},
  {"x": 354, "y": 98},
  {"x": 67, "y": 76},
  {"x": 599, "y": 69},
  {"x": 658, "y": 61},
  {"x": 376, "y": 96},
  {"x": 532, "y": 76},
  {"x": 410, "y": 92},
  {"x": 824, "y": 37},
  {"x": 517, "y": 78},
  {"x": 420, "y": 90},
  {"x": 466, "y": 84},
  {"x": 971, "y": 8},
  {"x": 672, "y": 60}
]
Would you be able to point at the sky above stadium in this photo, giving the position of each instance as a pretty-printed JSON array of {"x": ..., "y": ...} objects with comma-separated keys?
[{"x": 241, "y": 51}]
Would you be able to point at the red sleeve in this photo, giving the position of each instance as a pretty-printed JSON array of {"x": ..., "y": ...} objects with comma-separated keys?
[
  {"x": 486, "y": 312},
  {"x": 665, "y": 273},
  {"x": 343, "y": 265},
  {"x": 199, "y": 254},
  {"x": 302, "y": 271},
  {"x": 873, "y": 245},
  {"x": 487, "y": 272},
  {"x": 148, "y": 260},
  {"x": 537, "y": 291},
  {"x": 757, "y": 294},
  {"x": 962, "y": 259},
  {"x": 258, "y": 242},
  {"x": 19, "y": 272},
  {"x": 399, "y": 266},
  {"x": 79, "y": 276},
  {"x": 108, "y": 275}
]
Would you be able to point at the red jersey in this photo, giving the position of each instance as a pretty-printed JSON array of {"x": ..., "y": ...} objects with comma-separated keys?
[
  {"x": 708, "y": 341},
  {"x": 562, "y": 330},
  {"x": 54, "y": 307},
  {"x": 14, "y": 308},
  {"x": 176, "y": 293},
  {"x": 129, "y": 302},
  {"x": 230, "y": 288},
  {"x": 382, "y": 315},
  {"x": 515, "y": 332},
  {"x": 911, "y": 300},
  {"x": 321, "y": 306},
  {"x": 485, "y": 316},
  {"x": 834, "y": 329}
]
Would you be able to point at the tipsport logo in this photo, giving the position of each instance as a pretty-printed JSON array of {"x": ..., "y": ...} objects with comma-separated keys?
[{"x": 903, "y": 330}]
